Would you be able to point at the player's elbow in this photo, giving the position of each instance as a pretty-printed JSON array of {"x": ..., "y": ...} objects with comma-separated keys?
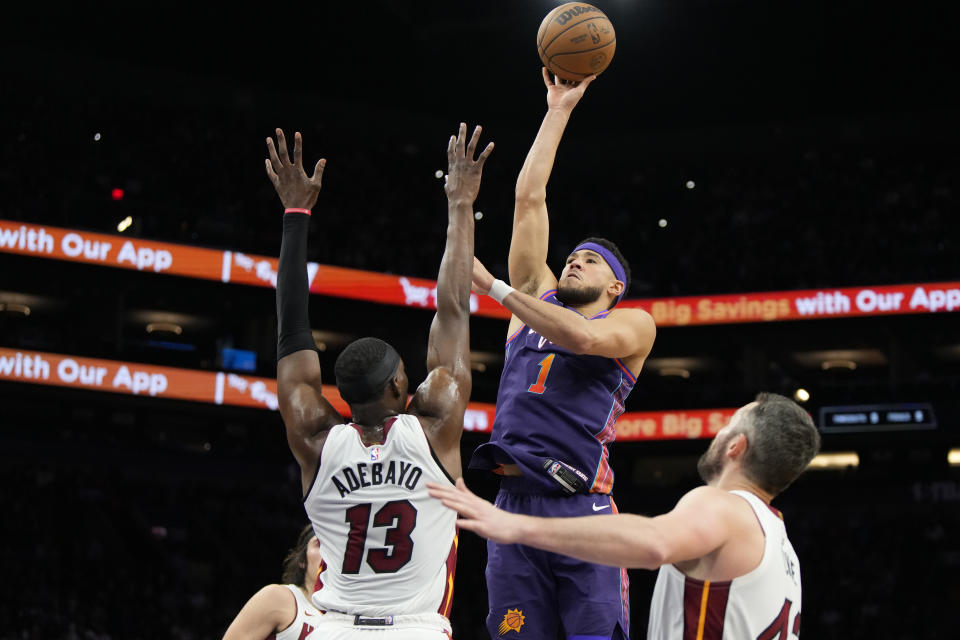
[
  {"x": 454, "y": 308},
  {"x": 583, "y": 342},
  {"x": 654, "y": 552},
  {"x": 528, "y": 198}
]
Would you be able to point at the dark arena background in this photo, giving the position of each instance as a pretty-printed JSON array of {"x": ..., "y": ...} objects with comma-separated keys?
[{"x": 733, "y": 148}]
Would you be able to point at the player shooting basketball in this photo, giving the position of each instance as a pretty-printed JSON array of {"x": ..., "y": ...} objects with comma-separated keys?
[
  {"x": 571, "y": 359},
  {"x": 726, "y": 566},
  {"x": 389, "y": 550}
]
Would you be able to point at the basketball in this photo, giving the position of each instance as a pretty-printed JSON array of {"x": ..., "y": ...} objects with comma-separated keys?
[{"x": 576, "y": 40}]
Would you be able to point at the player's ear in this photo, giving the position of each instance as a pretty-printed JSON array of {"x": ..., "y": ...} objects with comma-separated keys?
[
  {"x": 396, "y": 385},
  {"x": 616, "y": 288},
  {"x": 738, "y": 446}
]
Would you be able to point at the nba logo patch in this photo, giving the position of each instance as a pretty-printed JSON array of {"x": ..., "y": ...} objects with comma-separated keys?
[{"x": 375, "y": 453}]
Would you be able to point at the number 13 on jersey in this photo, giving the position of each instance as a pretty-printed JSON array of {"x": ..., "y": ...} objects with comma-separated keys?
[{"x": 399, "y": 518}]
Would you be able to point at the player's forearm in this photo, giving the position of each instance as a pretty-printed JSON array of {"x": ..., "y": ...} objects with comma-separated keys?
[
  {"x": 456, "y": 266},
  {"x": 558, "y": 325},
  {"x": 533, "y": 178},
  {"x": 293, "y": 321},
  {"x": 622, "y": 540}
]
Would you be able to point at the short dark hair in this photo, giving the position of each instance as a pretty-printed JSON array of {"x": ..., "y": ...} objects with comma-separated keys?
[
  {"x": 295, "y": 563},
  {"x": 781, "y": 442},
  {"x": 612, "y": 248},
  {"x": 358, "y": 362}
]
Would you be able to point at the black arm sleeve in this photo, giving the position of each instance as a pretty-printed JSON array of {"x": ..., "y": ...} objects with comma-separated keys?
[{"x": 293, "y": 320}]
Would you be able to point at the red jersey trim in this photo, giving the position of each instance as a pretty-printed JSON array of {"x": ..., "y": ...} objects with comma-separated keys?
[
  {"x": 704, "y": 609},
  {"x": 386, "y": 430},
  {"x": 632, "y": 378},
  {"x": 446, "y": 602},
  {"x": 318, "y": 584}
]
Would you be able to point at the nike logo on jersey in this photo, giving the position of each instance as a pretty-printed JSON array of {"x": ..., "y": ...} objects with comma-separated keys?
[{"x": 601, "y": 508}]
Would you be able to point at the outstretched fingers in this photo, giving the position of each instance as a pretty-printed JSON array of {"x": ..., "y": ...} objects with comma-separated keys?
[
  {"x": 461, "y": 139},
  {"x": 451, "y": 149},
  {"x": 474, "y": 140},
  {"x": 484, "y": 155},
  {"x": 282, "y": 142},
  {"x": 297, "y": 149},
  {"x": 317, "y": 177},
  {"x": 274, "y": 178},
  {"x": 272, "y": 151}
]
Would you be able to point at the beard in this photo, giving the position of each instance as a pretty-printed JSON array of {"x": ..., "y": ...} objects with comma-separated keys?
[
  {"x": 577, "y": 296},
  {"x": 710, "y": 464}
]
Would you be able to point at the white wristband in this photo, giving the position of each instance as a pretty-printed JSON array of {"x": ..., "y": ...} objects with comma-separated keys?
[{"x": 499, "y": 290}]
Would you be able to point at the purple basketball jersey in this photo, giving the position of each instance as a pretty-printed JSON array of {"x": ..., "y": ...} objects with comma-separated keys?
[{"x": 553, "y": 403}]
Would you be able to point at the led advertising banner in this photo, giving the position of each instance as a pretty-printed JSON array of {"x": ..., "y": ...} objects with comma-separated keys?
[
  {"x": 236, "y": 267},
  {"x": 226, "y": 266},
  {"x": 903, "y": 416},
  {"x": 250, "y": 391}
]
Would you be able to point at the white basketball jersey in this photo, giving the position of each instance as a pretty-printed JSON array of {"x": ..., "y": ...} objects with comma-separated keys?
[
  {"x": 761, "y": 605},
  {"x": 305, "y": 623},
  {"x": 388, "y": 548}
]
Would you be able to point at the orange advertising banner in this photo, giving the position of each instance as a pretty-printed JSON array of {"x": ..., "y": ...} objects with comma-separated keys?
[
  {"x": 236, "y": 267},
  {"x": 807, "y": 304},
  {"x": 226, "y": 266},
  {"x": 222, "y": 388}
]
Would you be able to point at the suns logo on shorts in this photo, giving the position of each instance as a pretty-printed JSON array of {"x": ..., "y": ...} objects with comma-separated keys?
[{"x": 512, "y": 621}]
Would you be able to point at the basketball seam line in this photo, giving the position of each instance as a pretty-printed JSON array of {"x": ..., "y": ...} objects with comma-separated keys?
[
  {"x": 544, "y": 48},
  {"x": 577, "y": 73},
  {"x": 576, "y": 53}
]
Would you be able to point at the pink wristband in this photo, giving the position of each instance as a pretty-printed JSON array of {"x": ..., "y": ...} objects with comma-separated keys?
[{"x": 295, "y": 210}]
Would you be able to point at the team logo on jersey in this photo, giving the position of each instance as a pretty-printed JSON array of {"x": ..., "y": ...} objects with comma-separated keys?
[
  {"x": 512, "y": 621},
  {"x": 375, "y": 453}
]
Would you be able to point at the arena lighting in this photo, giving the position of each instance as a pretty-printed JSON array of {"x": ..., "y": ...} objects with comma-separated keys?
[
  {"x": 953, "y": 457},
  {"x": 838, "y": 460},
  {"x": 96, "y": 137},
  {"x": 838, "y": 364},
  {"x": 14, "y": 307},
  {"x": 691, "y": 184},
  {"x": 478, "y": 215},
  {"x": 675, "y": 372},
  {"x": 801, "y": 395},
  {"x": 116, "y": 194},
  {"x": 167, "y": 327},
  {"x": 438, "y": 174},
  {"x": 124, "y": 224},
  {"x": 662, "y": 223}
]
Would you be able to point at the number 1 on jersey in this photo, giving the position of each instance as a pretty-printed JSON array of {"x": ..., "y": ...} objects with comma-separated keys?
[{"x": 541, "y": 384}]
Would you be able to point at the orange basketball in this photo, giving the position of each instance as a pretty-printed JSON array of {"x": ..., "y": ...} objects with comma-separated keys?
[{"x": 576, "y": 40}]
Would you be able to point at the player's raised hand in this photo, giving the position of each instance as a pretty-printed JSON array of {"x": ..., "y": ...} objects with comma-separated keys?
[
  {"x": 463, "y": 172},
  {"x": 564, "y": 94},
  {"x": 296, "y": 189},
  {"x": 478, "y": 515}
]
